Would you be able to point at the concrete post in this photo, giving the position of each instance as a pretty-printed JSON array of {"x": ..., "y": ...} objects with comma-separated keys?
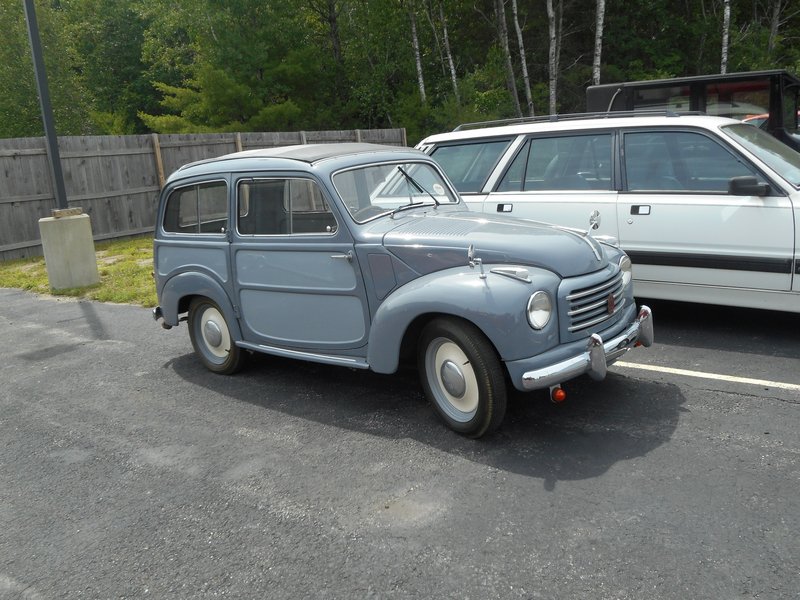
[{"x": 68, "y": 249}]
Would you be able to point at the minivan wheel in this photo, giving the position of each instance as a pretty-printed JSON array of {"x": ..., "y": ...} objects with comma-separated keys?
[
  {"x": 462, "y": 376},
  {"x": 211, "y": 338}
]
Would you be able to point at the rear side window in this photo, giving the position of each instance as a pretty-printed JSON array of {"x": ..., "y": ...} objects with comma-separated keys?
[
  {"x": 468, "y": 165},
  {"x": 579, "y": 162},
  {"x": 679, "y": 161},
  {"x": 282, "y": 207},
  {"x": 200, "y": 208}
]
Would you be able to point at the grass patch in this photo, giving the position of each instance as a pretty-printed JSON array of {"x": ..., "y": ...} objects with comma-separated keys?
[{"x": 124, "y": 266}]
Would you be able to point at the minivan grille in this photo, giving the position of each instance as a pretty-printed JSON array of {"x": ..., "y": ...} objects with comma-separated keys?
[{"x": 590, "y": 306}]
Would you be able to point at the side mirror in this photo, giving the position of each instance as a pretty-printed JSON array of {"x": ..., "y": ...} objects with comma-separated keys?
[{"x": 747, "y": 185}]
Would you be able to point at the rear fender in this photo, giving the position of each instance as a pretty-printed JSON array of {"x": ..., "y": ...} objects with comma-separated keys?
[{"x": 195, "y": 284}]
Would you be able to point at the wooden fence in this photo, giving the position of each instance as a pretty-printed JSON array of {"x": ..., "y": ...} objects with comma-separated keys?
[{"x": 116, "y": 179}]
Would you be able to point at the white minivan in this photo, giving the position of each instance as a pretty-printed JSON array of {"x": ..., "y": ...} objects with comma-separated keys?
[{"x": 707, "y": 208}]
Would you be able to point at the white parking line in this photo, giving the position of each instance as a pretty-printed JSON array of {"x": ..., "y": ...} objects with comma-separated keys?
[{"x": 717, "y": 376}]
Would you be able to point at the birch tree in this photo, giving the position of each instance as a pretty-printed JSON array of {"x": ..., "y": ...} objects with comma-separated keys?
[
  {"x": 449, "y": 53},
  {"x": 598, "y": 40},
  {"x": 523, "y": 61},
  {"x": 417, "y": 55},
  {"x": 554, "y": 28},
  {"x": 726, "y": 28},
  {"x": 502, "y": 32}
]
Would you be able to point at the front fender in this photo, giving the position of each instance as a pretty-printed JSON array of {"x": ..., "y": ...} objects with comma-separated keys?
[
  {"x": 196, "y": 284},
  {"x": 495, "y": 304}
]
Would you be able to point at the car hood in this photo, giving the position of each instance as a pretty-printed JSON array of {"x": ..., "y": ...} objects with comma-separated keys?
[{"x": 431, "y": 242}]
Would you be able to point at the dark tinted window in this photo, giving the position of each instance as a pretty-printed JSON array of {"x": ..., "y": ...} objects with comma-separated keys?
[
  {"x": 468, "y": 165},
  {"x": 282, "y": 207},
  {"x": 201, "y": 208},
  {"x": 579, "y": 162},
  {"x": 679, "y": 161}
]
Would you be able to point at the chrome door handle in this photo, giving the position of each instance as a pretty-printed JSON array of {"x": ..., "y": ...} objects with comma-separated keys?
[{"x": 348, "y": 257}]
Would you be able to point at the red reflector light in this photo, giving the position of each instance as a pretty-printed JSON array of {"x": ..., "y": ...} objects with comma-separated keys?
[{"x": 558, "y": 395}]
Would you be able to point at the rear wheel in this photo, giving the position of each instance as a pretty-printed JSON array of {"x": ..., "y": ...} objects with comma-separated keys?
[
  {"x": 211, "y": 338},
  {"x": 462, "y": 376}
]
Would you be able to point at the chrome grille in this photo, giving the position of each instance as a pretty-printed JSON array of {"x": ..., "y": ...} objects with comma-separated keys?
[{"x": 589, "y": 306}]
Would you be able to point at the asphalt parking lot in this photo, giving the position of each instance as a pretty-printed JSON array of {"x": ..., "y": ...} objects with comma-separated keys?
[{"x": 128, "y": 471}]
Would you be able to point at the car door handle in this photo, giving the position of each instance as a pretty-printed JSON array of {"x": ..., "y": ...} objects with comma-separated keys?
[
  {"x": 640, "y": 209},
  {"x": 505, "y": 208},
  {"x": 348, "y": 257}
]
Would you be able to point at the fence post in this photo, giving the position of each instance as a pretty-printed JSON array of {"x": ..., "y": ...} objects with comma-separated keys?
[{"x": 159, "y": 162}]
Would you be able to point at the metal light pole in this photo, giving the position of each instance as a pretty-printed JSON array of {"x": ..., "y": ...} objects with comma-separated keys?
[
  {"x": 67, "y": 241},
  {"x": 47, "y": 110}
]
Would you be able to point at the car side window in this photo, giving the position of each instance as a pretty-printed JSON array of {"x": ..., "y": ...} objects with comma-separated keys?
[
  {"x": 469, "y": 165},
  {"x": 579, "y": 162},
  {"x": 200, "y": 208},
  {"x": 282, "y": 206},
  {"x": 679, "y": 161}
]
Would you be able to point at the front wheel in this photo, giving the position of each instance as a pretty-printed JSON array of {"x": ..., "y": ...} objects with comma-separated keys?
[
  {"x": 211, "y": 338},
  {"x": 462, "y": 376}
]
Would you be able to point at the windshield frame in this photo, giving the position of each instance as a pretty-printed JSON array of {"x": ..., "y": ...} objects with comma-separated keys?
[
  {"x": 783, "y": 160},
  {"x": 422, "y": 196}
]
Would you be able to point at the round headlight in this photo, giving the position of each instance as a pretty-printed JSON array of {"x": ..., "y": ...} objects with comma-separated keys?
[
  {"x": 627, "y": 270},
  {"x": 539, "y": 309}
]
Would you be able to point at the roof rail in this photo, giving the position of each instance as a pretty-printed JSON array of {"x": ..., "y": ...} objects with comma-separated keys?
[{"x": 576, "y": 117}]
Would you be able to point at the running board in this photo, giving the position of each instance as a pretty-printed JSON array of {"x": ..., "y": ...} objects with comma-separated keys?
[{"x": 328, "y": 359}]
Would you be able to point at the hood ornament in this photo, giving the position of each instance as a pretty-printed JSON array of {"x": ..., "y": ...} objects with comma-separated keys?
[{"x": 473, "y": 260}]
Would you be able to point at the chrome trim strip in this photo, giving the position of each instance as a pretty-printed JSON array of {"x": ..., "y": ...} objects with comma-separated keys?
[
  {"x": 328, "y": 359},
  {"x": 607, "y": 284},
  {"x": 596, "y": 321},
  {"x": 598, "y": 304}
]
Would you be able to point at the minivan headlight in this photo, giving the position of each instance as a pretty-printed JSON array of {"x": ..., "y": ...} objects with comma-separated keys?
[
  {"x": 627, "y": 270},
  {"x": 540, "y": 307}
]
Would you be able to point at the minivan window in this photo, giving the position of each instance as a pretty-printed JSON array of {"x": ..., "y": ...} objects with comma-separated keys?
[
  {"x": 679, "y": 161},
  {"x": 282, "y": 206},
  {"x": 201, "y": 208},
  {"x": 468, "y": 165},
  {"x": 576, "y": 162}
]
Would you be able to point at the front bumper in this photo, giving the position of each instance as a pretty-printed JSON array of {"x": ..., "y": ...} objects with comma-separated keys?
[{"x": 597, "y": 356}]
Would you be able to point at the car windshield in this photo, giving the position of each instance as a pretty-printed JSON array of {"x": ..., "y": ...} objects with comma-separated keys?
[
  {"x": 784, "y": 160},
  {"x": 372, "y": 191}
]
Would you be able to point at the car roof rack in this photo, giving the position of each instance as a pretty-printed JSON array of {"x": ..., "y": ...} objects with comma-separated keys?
[{"x": 576, "y": 117}]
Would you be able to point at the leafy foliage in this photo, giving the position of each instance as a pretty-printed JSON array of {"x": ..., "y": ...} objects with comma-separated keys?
[{"x": 234, "y": 65}]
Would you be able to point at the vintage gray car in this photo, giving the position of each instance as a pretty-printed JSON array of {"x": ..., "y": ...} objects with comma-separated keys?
[{"x": 364, "y": 256}]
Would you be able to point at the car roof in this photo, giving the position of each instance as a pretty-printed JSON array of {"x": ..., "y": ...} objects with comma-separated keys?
[
  {"x": 288, "y": 156},
  {"x": 578, "y": 122}
]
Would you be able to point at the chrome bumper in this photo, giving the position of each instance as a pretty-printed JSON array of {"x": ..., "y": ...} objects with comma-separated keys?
[{"x": 597, "y": 357}]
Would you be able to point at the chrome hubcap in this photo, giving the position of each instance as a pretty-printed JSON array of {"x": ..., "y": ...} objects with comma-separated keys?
[
  {"x": 212, "y": 334},
  {"x": 453, "y": 379}
]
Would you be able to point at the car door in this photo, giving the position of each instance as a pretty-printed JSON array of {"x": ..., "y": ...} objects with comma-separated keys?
[
  {"x": 680, "y": 224},
  {"x": 470, "y": 164},
  {"x": 564, "y": 179},
  {"x": 296, "y": 275}
]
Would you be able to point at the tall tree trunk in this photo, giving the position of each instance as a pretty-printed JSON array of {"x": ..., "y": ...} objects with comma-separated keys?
[
  {"x": 524, "y": 63},
  {"x": 502, "y": 31},
  {"x": 329, "y": 14},
  {"x": 449, "y": 53},
  {"x": 598, "y": 40},
  {"x": 774, "y": 25},
  {"x": 417, "y": 56},
  {"x": 555, "y": 47},
  {"x": 726, "y": 28}
]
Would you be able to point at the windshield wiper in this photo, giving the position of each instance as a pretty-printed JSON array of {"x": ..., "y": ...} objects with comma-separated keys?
[
  {"x": 408, "y": 206},
  {"x": 420, "y": 189}
]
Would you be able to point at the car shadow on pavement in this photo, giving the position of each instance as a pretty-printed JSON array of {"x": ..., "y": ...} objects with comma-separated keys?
[
  {"x": 599, "y": 425},
  {"x": 726, "y": 328}
]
